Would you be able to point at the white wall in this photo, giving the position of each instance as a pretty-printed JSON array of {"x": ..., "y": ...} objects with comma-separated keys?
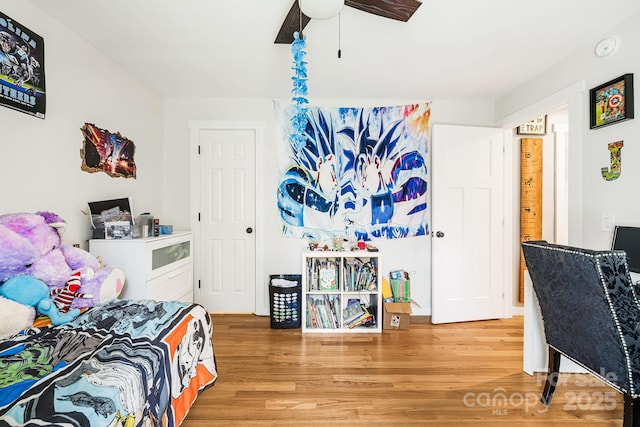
[
  {"x": 41, "y": 167},
  {"x": 588, "y": 148},
  {"x": 280, "y": 254},
  {"x": 44, "y": 167}
]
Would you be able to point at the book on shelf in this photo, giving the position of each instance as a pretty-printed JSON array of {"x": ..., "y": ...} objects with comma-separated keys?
[
  {"x": 327, "y": 278},
  {"x": 355, "y": 314},
  {"x": 323, "y": 274},
  {"x": 312, "y": 278},
  {"x": 361, "y": 275},
  {"x": 321, "y": 312}
]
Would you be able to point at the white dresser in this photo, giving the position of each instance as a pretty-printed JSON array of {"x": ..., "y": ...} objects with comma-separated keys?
[{"x": 158, "y": 268}]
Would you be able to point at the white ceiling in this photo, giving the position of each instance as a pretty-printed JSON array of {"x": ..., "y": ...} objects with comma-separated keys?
[{"x": 450, "y": 49}]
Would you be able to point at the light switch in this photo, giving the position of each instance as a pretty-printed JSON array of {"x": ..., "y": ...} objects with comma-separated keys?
[{"x": 607, "y": 222}]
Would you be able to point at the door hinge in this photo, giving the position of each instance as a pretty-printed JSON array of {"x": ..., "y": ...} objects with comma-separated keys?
[
  {"x": 199, "y": 283},
  {"x": 198, "y": 216},
  {"x": 198, "y": 149}
]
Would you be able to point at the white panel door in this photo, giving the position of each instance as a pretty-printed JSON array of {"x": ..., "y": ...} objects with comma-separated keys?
[
  {"x": 467, "y": 224},
  {"x": 227, "y": 220}
]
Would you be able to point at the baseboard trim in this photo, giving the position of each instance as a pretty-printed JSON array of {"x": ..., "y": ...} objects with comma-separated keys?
[{"x": 420, "y": 319}]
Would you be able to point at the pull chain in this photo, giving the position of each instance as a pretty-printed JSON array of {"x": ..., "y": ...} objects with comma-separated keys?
[
  {"x": 339, "y": 34},
  {"x": 300, "y": 21}
]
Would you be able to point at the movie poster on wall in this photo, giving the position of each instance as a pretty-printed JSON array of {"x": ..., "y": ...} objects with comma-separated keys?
[{"x": 21, "y": 68}]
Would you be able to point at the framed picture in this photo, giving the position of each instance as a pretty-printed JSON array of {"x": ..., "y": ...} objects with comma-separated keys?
[
  {"x": 612, "y": 102},
  {"x": 118, "y": 230},
  {"x": 537, "y": 126}
]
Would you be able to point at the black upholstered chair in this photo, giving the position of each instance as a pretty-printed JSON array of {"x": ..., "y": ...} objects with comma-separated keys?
[{"x": 591, "y": 315}]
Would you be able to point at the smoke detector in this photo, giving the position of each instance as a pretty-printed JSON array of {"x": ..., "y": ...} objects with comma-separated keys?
[{"x": 607, "y": 47}]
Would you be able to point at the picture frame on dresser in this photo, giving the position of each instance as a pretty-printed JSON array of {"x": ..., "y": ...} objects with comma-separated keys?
[{"x": 117, "y": 230}]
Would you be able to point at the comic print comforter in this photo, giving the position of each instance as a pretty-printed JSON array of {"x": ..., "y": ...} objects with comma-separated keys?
[{"x": 124, "y": 363}]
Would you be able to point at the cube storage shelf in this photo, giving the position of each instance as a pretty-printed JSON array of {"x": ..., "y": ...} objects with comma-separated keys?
[{"x": 341, "y": 292}]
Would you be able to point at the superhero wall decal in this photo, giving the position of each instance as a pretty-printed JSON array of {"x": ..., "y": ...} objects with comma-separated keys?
[
  {"x": 358, "y": 173},
  {"x": 108, "y": 152}
]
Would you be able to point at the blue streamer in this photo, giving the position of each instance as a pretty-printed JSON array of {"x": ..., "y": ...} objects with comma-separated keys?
[{"x": 299, "y": 118}]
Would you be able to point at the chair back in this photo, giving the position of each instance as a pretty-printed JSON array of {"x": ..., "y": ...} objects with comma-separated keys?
[{"x": 589, "y": 309}]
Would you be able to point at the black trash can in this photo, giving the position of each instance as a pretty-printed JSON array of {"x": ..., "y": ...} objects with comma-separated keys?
[{"x": 285, "y": 300}]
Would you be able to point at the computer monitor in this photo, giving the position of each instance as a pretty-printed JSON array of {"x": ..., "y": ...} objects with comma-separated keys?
[{"x": 627, "y": 239}]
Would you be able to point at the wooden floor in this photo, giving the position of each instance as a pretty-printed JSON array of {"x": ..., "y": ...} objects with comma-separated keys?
[{"x": 466, "y": 374}]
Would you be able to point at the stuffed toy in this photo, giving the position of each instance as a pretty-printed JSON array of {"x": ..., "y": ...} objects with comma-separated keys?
[
  {"x": 31, "y": 245},
  {"x": 20, "y": 297},
  {"x": 63, "y": 298},
  {"x": 32, "y": 292},
  {"x": 18, "y": 317}
]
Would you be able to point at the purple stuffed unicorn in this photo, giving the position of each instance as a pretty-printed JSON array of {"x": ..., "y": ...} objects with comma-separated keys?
[{"x": 30, "y": 244}]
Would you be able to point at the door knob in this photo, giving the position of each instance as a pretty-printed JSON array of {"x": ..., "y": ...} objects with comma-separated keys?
[
  {"x": 249, "y": 230},
  {"x": 439, "y": 234}
]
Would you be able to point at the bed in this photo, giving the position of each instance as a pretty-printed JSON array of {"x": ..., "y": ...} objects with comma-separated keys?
[{"x": 124, "y": 363}]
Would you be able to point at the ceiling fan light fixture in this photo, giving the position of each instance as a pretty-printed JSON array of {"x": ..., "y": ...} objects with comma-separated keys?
[{"x": 321, "y": 9}]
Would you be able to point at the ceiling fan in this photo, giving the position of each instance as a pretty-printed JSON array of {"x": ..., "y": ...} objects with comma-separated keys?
[{"x": 400, "y": 10}]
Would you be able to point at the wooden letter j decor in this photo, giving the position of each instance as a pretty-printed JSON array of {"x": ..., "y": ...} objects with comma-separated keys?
[{"x": 613, "y": 171}]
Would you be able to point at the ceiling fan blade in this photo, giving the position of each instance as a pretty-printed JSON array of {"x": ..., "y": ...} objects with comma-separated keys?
[
  {"x": 292, "y": 23},
  {"x": 400, "y": 10}
]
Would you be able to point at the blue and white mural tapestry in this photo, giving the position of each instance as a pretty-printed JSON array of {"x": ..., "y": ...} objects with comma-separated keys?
[{"x": 358, "y": 173}]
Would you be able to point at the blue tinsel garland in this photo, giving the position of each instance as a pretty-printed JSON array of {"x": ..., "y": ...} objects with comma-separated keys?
[{"x": 299, "y": 118}]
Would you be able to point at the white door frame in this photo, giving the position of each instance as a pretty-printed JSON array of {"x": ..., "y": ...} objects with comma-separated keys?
[
  {"x": 574, "y": 96},
  {"x": 195, "y": 126}
]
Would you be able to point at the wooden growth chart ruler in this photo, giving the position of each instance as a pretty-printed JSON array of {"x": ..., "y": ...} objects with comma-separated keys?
[{"x": 530, "y": 197}]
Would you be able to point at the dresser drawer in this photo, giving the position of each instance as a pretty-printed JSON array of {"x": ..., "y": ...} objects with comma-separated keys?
[
  {"x": 168, "y": 254},
  {"x": 174, "y": 285}
]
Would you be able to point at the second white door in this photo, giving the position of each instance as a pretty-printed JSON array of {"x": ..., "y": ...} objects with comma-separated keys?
[{"x": 227, "y": 220}]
